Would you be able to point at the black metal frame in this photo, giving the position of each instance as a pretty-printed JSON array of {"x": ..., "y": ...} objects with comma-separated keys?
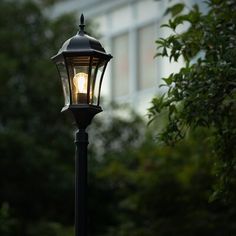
[{"x": 83, "y": 114}]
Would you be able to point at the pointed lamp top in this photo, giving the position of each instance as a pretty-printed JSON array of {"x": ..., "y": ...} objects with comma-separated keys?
[{"x": 82, "y": 25}]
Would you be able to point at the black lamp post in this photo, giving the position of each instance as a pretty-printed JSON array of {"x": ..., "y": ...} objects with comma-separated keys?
[{"x": 81, "y": 63}]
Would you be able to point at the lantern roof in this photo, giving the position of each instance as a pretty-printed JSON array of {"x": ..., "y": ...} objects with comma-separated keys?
[{"x": 81, "y": 44}]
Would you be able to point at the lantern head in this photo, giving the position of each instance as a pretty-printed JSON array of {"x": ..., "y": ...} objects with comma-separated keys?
[{"x": 81, "y": 63}]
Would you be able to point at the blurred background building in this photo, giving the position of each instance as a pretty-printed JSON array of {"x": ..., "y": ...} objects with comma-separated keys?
[{"x": 128, "y": 30}]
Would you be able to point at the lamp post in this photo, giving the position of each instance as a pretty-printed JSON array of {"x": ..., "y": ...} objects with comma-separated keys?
[{"x": 81, "y": 63}]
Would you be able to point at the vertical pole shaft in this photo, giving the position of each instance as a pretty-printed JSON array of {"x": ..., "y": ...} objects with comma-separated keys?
[{"x": 81, "y": 142}]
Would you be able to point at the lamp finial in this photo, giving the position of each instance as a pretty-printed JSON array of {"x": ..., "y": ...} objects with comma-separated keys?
[{"x": 82, "y": 25}]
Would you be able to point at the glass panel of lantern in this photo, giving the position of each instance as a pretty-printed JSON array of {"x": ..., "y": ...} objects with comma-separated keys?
[
  {"x": 99, "y": 77},
  {"x": 85, "y": 79},
  {"x": 64, "y": 80}
]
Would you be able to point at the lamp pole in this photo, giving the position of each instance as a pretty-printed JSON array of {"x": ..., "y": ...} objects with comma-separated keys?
[
  {"x": 83, "y": 116},
  {"x": 81, "y": 63},
  {"x": 81, "y": 142}
]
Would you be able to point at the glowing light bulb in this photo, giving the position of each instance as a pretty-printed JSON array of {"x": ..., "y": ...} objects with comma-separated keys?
[{"x": 80, "y": 81}]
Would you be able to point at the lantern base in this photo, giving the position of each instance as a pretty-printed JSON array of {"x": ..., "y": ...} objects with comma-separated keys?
[{"x": 83, "y": 113}]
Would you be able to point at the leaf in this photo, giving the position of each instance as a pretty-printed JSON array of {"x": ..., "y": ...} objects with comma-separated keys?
[
  {"x": 168, "y": 80},
  {"x": 165, "y": 25},
  {"x": 159, "y": 54},
  {"x": 175, "y": 9},
  {"x": 164, "y": 52},
  {"x": 172, "y": 109}
]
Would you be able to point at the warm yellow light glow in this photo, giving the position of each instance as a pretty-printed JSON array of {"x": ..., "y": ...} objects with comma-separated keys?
[{"x": 80, "y": 81}]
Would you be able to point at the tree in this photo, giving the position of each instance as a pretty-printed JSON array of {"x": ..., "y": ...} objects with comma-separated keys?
[
  {"x": 36, "y": 143},
  {"x": 146, "y": 190},
  {"x": 203, "y": 92}
]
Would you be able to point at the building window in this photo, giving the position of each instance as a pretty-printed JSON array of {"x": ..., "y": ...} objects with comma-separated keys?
[
  {"x": 147, "y": 74},
  {"x": 120, "y": 65}
]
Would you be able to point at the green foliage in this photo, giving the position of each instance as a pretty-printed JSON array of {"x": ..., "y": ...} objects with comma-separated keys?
[
  {"x": 203, "y": 92},
  {"x": 7, "y": 224},
  {"x": 35, "y": 142},
  {"x": 144, "y": 189}
]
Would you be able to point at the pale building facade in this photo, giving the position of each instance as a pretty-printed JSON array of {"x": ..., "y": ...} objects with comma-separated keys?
[{"x": 128, "y": 30}]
